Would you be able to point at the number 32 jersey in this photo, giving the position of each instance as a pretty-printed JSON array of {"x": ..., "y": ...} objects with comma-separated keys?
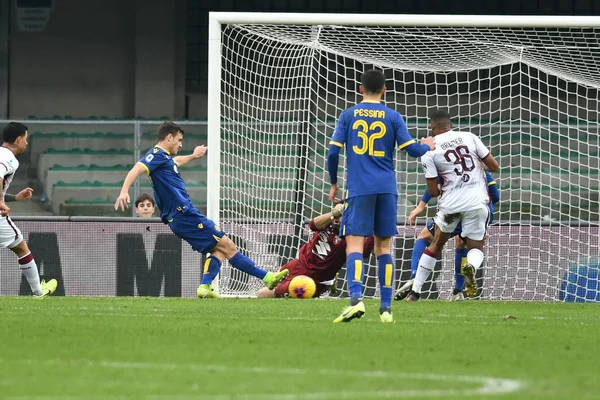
[
  {"x": 371, "y": 132},
  {"x": 456, "y": 161}
]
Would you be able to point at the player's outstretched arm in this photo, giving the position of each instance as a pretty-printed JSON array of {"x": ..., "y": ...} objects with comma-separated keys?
[
  {"x": 4, "y": 209},
  {"x": 485, "y": 155},
  {"x": 24, "y": 194},
  {"x": 123, "y": 199},
  {"x": 420, "y": 207},
  {"x": 333, "y": 159},
  {"x": 432, "y": 187},
  {"x": 407, "y": 143},
  {"x": 333, "y": 155},
  {"x": 490, "y": 162},
  {"x": 323, "y": 221},
  {"x": 199, "y": 152},
  {"x": 416, "y": 212}
]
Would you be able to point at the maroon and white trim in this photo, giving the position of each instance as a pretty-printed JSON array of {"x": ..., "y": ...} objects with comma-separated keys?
[{"x": 13, "y": 227}]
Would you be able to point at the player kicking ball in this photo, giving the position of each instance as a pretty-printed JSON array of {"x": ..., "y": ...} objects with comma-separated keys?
[
  {"x": 321, "y": 258},
  {"x": 460, "y": 252},
  {"x": 458, "y": 163},
  {"x": 370, "y": 132},
  {"x": 14, "y": 138},
  {"x": 184, "y": 219}
]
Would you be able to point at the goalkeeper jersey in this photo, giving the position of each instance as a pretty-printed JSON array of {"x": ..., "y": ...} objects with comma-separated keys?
[{"x": 370, "y": 132}]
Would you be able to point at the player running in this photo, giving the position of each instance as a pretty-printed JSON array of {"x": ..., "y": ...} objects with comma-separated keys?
[
  {"x": 321, "y": 258},
  {"x": 177, "y": 210},
  {"x": 463, "y": 197},
  {"x": 460, "y": 252},
  {"x": 14, "y": 138},
  {"x": 370, "y": 131}
]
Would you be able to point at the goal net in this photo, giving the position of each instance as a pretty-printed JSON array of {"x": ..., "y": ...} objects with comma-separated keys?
[{"x": 531, "y": 94}]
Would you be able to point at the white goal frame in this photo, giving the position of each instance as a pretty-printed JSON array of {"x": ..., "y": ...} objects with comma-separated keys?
[{"x": 219, "y": 19}]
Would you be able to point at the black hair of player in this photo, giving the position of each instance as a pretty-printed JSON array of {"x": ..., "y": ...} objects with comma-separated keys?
[
  {"x": 168, "y": 128},
  {"x": 143, "y": 197},
  {"x": 12, "y": 131},
  {"x": 373, "y": 81},
  {"x": 440, "y": 117}
]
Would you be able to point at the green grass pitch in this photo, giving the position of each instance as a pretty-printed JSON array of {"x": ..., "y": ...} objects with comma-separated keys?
[{"x": 250, "y": 349}]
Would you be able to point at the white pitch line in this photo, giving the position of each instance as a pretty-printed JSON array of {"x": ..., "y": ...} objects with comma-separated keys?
[{"x": 487, "y": 385}]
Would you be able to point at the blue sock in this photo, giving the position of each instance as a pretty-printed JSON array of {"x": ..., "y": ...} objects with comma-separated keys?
[
  {"x": 354, "y": 274},
  {"x": 418, "y": 250},
  {"x": 385, "y": 269},
  {"x": 212, "y": 266},
  {"x": 459, "y": 279},
  {"x": 243, "y": 263}
]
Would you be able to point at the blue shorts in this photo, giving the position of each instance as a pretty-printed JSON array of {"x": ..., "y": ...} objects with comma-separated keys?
[
  {"x": 458, "y": 229},
  {"x": 200, "y": 232},
  {"x": 370, "y": 214}
]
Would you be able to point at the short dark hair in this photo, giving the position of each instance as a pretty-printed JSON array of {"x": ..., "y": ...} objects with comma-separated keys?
[
  {"x": 440, "y": 116},
  {"x": 12, "y": 131},
  {"x": 143, "y": 197},
  {"x": 168, "y": 128},
  {"x": 373, "y": 81}
]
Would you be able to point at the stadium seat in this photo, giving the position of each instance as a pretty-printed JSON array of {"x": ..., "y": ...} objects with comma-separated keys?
[
  {"x": 90, "y": 164},
  {"x": 91, "y": 191}
]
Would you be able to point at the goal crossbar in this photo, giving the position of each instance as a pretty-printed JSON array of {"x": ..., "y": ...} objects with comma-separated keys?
[{"x": 440, "y": 20}]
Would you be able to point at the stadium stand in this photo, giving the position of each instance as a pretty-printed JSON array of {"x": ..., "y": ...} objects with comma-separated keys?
[{"x": 542, "y": 171}]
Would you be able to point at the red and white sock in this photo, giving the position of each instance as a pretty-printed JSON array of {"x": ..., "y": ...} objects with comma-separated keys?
[
  {"x": 426, "y": 265},
  {"x": 30, "y": 270}
]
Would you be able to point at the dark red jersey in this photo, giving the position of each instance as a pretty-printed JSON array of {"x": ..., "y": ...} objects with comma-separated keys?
[{"x": 325, "y": 254}]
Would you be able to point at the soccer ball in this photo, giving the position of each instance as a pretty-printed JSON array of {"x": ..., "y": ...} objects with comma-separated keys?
[{"x": 302, "y": 287}]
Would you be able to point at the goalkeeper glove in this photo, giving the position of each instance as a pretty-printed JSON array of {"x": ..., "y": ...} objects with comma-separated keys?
[{"x": 337, "y": 211}]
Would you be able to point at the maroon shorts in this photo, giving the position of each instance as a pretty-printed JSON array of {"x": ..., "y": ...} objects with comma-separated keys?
[{"x": 296, "y": 268}]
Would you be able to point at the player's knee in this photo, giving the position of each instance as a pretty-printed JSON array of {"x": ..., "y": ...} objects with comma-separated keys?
[
  {"x": 354, "y": 244},
  {"x": 226, "y": 247},
  {"x": 21, "y": 249},
  {"x": 381, "y": 246},
  {"x": 459, "y": 243},
  {"x": 217, "y": 254},
  {"x": 435, "y": 246},
  {"x": 425, "y": 234}
]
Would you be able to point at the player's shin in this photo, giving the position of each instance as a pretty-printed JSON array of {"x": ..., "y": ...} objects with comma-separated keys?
[
  {"x": 243, "y": 263},
  {"x": 418, "y": 249},
  {"x": 385, "y": 269},
  {"x": 355, "y": 273},
  {"x": 30, "y": 270},
  {"x": 426, "y": 266},
  {"x": 460, "y": 258},
  {"x": 212, "y": 266}
]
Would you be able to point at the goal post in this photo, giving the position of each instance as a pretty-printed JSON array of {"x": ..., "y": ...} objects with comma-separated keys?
[{"x": 527, "y": 85}]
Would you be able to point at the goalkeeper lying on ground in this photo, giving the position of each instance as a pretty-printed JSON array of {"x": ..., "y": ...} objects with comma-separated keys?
[{"x": 321, "y": 258}]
